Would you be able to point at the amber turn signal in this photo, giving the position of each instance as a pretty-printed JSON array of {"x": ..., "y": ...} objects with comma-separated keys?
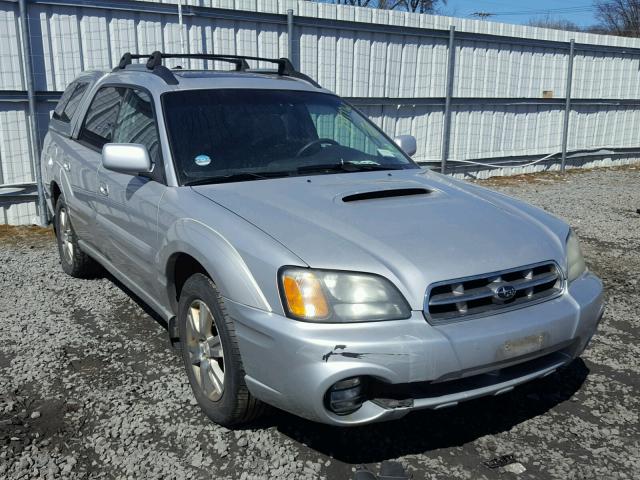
[{"x": 304, "y": 296}]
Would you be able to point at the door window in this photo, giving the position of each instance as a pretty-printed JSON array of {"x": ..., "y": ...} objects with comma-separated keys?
[
  {"x": 101, "y": 117},
  {"x": 136, "y": 123}
]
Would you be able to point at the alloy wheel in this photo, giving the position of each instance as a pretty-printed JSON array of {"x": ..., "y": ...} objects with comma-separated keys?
[
  {"x": 205, "y": 350},
  {"x": 66, "y": 235}
]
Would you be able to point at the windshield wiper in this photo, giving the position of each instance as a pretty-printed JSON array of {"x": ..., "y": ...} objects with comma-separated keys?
[
  {"x": 263, "y": 175},
  {"x": 346, "y": 167},
  {"x": 236, "y": 177}
]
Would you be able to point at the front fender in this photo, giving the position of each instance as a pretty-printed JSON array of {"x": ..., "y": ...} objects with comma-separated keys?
[{"x": 231, "y": 271}]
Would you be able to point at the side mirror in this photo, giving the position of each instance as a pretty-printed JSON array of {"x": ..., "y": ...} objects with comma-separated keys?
[
  {"x": 129, "y": 158},
  {"x": 407, "y": 143}
]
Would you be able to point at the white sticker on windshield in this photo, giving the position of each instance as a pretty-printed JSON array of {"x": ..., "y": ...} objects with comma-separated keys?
[
  {"x": 202, "y": 160},
  {"x": 385, "y": 153}
]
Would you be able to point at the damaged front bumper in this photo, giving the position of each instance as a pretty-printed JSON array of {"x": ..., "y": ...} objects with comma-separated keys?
[{"x": 410, "y": 364}]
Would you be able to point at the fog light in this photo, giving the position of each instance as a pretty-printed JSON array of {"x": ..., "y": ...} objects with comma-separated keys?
[{"x": 346, "y": 396}]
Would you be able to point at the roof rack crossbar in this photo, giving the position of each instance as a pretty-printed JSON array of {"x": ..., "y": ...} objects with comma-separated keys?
[
  {"x": 154, "y": 63},
  {"x": 240, "y": 63},
  {"x": 284, "y": 65},
  {"x": 155, "y": 59}
]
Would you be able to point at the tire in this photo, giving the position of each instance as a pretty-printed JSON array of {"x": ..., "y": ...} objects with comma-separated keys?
[
  {"x": 209, "y": 349},
  {"x": 74, "y": 261}
]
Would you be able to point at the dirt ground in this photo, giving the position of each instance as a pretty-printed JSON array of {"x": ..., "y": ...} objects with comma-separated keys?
[{"x": 89, "y": 387}]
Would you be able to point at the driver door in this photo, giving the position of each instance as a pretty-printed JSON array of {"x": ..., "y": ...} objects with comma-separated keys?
[{"x": 127, "y": 206}]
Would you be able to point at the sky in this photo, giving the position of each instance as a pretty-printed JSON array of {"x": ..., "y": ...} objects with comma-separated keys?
[{"x": 580, "y": 12}]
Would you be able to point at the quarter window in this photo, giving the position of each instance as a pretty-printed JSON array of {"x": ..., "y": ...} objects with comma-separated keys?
[
  {"x": 101, "y": 116},
  {"x": 69, "y": 102}
]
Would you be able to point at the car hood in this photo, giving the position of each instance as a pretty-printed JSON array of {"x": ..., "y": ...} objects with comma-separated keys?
[{"x": 453, "y": 230}]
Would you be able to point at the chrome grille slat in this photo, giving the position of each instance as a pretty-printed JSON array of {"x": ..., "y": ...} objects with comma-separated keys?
[
  {"x": 483, "y": 292},
  {"x": 467, "y": 296},
  {"x": 536, "y": 281},
  {"x": 470, "y": 297}
]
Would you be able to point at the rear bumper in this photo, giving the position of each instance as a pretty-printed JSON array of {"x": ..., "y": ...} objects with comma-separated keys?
[{"x": 413, "y": 364}]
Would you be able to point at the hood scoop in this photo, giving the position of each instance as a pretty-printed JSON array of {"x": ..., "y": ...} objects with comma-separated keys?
[{"x": 389, "y": 193}]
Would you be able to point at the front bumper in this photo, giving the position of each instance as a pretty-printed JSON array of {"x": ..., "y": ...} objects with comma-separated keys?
[{"x": 292, "y": 364}]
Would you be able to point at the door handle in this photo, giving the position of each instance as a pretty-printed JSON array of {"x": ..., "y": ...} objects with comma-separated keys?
[
  {"x": 66, "y": 165},
  {"x": 104, "y": 190}
]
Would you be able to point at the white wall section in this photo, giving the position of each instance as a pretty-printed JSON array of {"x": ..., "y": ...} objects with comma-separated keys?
[{"x": 508, "y": 87}]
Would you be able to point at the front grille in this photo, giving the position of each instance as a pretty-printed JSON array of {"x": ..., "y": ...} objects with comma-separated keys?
[{"x": 469, "y": 297}]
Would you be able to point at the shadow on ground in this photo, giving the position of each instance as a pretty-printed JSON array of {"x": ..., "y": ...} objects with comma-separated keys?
[
  {"x": 141, "y": 303},
  {"x": 427, "y": 430}
]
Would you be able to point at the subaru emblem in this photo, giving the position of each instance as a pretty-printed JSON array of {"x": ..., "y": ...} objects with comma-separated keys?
[{"x": 504, "y": 293}]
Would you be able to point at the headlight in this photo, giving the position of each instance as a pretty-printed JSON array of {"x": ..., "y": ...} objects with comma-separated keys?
[
  {"x": 334, "y": 297},
  {"x": 575, "y": 260}
]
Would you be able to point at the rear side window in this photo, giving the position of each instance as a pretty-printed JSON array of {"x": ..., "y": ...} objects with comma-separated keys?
[
  {"x": 136, "y": 123},
  {"x": 64, "y": 99},
  {"x": 101, "y": 117},
  {"x": 69, "y": 102}
]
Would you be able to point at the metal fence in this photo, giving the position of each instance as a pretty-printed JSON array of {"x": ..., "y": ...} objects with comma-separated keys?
[{"x": 480, "y": 97}]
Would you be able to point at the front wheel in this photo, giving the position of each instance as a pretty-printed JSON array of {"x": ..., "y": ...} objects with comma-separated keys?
[{"x": 211, "y": 355}]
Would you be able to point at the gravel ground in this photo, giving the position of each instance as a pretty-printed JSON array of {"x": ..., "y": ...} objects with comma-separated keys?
[{"x": 89, "y": 387}]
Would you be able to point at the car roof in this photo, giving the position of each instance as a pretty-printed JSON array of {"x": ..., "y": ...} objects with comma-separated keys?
[
  {"x": 209, "y": 79},
  {"x": 153, "y": 74}
]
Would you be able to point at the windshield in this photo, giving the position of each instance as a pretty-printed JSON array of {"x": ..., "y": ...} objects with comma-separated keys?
[{"x": 245, "y": 134}]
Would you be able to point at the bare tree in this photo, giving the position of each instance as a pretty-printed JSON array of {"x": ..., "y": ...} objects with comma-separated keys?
[
  {"x": 619, "y": 17},
  {"x": 355, "y": 3},
  {"x": 554, "y": 23},
  {"x": 389, "y": 4},
  {"x": 421, "y": 6}
]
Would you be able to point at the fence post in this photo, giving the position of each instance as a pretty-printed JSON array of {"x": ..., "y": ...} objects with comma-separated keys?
[
  {"x": 34, "y": 146},
  {"x": 290, "y": 34},
  {"x": 447, "y": 103},
  {"x": 567, "y": 106},
  {"x": 181, "y": 26}
]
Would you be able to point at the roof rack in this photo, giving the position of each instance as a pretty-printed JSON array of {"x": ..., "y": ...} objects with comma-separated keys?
[{"x": 154, "y": 64}]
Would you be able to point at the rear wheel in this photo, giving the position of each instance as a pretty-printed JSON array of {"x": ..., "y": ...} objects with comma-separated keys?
[
  {"x": 74, "y": 261},
  {"x": 211, "y": 355}
]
